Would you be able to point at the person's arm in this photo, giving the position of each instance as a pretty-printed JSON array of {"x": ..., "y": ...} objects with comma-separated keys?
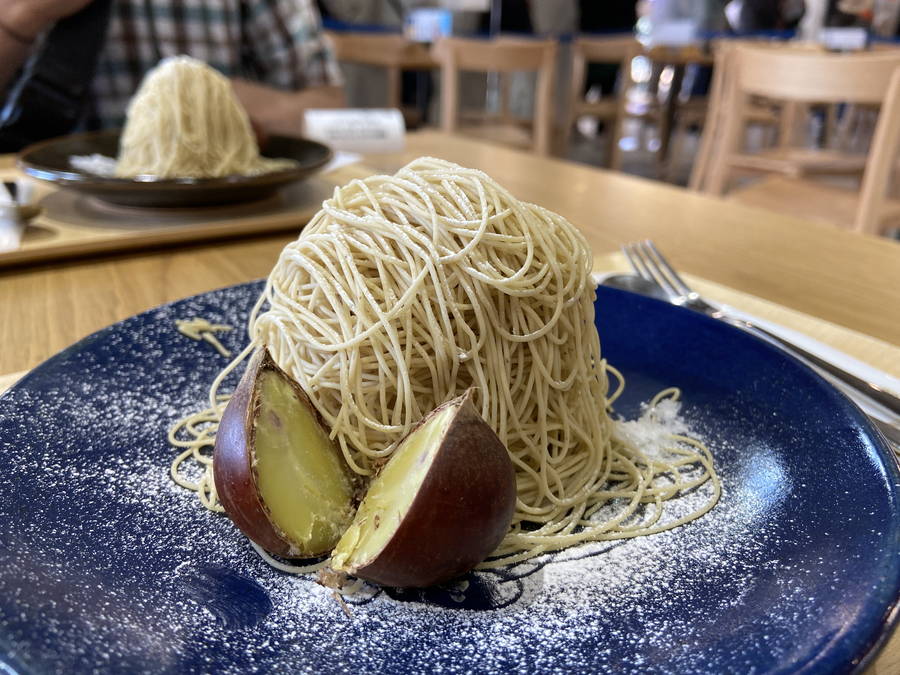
[
  {"x": 297, "y": 69},
  {"x": 21, "y": 22},
  {"x": 13, "y": 53},
  {"x": 281, "y": 112}
]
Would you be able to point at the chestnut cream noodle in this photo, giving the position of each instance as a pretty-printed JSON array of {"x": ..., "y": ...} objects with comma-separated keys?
[
  {"x": 186, "y": 122},
  {"x": 406, "y": 290}
]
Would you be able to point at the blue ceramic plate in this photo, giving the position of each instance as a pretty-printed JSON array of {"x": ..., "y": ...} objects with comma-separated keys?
[{"x": 106, "y": 565}]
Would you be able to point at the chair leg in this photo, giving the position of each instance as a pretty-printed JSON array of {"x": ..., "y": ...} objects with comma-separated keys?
[
  {"x": 544, "y": 94},
  {"x": 732, "y": 126},
  {"x": 879, "y": 167},
  {"x": 564, "y": 137},
  {"x": 670, "y": 163},
  {"x": 708, "y": 131},
  {"x": 449, "y": 98},
  {"x": 669, "y": 113},
  {"x": 394, "y": 87},
  {"x": 576, "y": 86},
  {"x": 615, "y": 136}
]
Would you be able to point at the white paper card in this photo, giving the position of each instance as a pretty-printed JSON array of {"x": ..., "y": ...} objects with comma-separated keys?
[
  {"x": 366, "y": 131},
  {"x": 844, "y": 39},
  {"x": 466, "y": 5}
]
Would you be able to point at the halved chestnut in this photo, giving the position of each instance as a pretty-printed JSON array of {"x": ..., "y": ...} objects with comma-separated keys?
[
  {"x": 277, "y": 473},
  {"x": 440, "y": 505}
]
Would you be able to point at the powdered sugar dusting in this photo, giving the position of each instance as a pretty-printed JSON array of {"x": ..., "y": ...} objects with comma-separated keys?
[
  {"x": 652, "y": 432},
  {"x": 97, "y": 164},
  {"x": 107, "y": 565}
]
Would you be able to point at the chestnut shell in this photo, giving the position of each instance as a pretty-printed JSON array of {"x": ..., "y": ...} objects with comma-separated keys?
[{"x": 462, "y": 509}]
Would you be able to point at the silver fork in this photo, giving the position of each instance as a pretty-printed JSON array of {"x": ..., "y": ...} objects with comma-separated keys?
[{"x": 648, "y": 263}]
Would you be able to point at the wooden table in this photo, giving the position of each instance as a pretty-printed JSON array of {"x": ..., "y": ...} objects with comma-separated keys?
[
  {"x": 848, "y": 279},
  {"x": 842, "y": 277}
]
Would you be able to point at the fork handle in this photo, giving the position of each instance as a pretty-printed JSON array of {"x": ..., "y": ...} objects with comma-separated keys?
[{"x": 868, "y": 389}]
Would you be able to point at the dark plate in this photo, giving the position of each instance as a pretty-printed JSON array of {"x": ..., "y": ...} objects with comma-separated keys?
[
  {"x": 49, "y": 160},
  {"x": 104, "y": 564}
]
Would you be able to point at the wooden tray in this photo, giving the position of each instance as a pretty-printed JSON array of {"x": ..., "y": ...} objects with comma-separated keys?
[{"x": 74, "y": 225}]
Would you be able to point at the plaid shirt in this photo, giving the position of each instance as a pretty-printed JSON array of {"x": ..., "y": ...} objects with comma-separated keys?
[{"x": 274, "y": 42}]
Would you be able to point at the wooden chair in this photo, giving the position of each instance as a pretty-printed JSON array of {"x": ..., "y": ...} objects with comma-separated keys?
[
  {"x": 391, "y": 51},
  {"x": 610, "y": 109},
  {"x": 758, "y": 113},
  {"x": 677, "y": 114},
  {"x": 781, "y": 120},
  {"x": 502, "y": 55},
  {"x": 807, "y": 78},
  {"x": 674, "y": 114}
]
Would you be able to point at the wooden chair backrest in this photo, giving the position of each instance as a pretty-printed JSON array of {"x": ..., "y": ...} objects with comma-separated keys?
[
  {"x": 612, "y": 49},
  {"x": 615, "y": 49},
  {"x": 723, "y": 51},
  {"x": 804, "y": 76},
  {"x": 797, "y": 76},
  {"x": 391, "y": 51},
  {"x": 619, "y": 49},
  {"x": 379, "y": 49},
  {"x": 680, "y": 55},
  {"x": 501, "y": 55}
]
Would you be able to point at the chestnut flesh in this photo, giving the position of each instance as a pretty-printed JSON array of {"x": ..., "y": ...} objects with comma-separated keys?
[{"x": 277, "y": 473}]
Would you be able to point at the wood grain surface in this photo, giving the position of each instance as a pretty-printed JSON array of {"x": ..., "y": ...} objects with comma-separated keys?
[{"x": 845, "y": 279}]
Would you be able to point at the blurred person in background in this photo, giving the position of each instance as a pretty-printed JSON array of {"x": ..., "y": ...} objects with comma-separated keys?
[
  {"x": 844, "y": 13},
  {"x": 366, "y": 86},
  {"x": 272, "y": 50},
  {"x": 371, "y": 12},
  {"x": 515, "y": 17},
  {"x": 610, "y": 16},
  {"x": 754, "y": 16},
  {"x": 881, "y": 16}
]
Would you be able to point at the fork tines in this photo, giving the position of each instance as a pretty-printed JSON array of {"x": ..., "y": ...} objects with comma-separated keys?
[{"x": 648, "y": 263}]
